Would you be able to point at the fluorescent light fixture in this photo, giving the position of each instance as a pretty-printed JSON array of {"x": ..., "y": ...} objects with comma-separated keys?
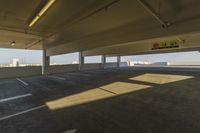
[
  {"x": 12, "y": 43},
  {"x": 34, "y": 21},
  {"x": 42, "y": 11}
]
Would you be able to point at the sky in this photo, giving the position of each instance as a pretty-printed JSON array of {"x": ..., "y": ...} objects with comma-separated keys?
[
  {"x": 35, "y": 57},
  {"x": 29, "y": 56}
]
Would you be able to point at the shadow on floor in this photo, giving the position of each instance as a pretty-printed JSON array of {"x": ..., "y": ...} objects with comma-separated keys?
[{"x": 127, "y": 102}]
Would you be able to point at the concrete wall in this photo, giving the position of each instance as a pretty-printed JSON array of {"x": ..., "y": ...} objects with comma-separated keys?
[
  {"x": 167, "y": 68},
  {"x": 123, "y": 64},
  {"x": 91, "y": 66},
  {"x": 111, "y": 65},
  {"x": 12, "y": 72},
  {"x": 62, "y": 68}
]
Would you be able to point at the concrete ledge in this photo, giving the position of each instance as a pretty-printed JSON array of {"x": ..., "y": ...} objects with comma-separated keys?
[
  {"x": 91, "y": 66},
  {"x": 111, "y": 65},
  {"x": 123, "y": 64},
  {"x": 62, "y": 68},
  {"x": 13, "y": 72},
  {"x": 167, "y": 68}
]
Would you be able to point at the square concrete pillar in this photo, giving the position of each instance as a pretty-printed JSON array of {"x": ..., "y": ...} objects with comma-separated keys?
[
  {"x": 45, "y": 63},
  {"x": 81, "y": 60},
  {"x": 103, "y": 61},
  {"x": 118, "y": 61}
]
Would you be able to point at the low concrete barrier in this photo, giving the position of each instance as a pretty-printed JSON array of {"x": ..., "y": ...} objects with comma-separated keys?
[
  {"x": 13, "y": 72},
  {"x": 123, "y": 64},
  {"x": 167, "y": 68},
  {"x": 91, "y": 66},
  {"x": 111, "y": 65},
  {"x": 62, "y": 68}
]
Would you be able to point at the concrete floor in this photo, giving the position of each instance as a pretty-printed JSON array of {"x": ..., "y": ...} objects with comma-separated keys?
[{"x": 102, "y": 101}]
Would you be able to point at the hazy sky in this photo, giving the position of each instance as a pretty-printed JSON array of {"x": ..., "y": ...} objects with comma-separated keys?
[
  {"x": 35, "y": 56},
  {"x": 29, "y": 56}
]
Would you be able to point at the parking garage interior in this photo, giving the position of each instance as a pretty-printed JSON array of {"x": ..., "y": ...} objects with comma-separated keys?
[{"x": 108, "y": 94}]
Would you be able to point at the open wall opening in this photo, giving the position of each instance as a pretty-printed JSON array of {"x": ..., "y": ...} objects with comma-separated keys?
[
  {"x": 166, "y": 59},
  {"x": 20, "y": 57},
  {"x": 92, "y": 59},
  {"x": 111, "y": 59},
  {"x": 71, "y": 58}
]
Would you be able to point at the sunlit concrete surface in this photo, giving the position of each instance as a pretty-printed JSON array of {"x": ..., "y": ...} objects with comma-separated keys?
[
  {"x": 160, "y": 78},
  {"x": 102, "y": 101},
  {"x": 103, "y": 92}
]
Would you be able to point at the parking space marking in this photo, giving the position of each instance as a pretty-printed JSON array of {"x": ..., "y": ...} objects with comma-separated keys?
[
  {"x": 56, "y": 77},
  {"x": 22, "y": 112},
  {"x": 26, "y": 84},
  {"x": 15, "y": 97}
]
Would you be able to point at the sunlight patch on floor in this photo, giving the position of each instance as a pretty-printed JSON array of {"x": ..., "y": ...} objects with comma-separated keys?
[
  {"x": 103, "y": 92},
  {"x": 160, "y": 78},
  {"x": 123, "y": 87}
]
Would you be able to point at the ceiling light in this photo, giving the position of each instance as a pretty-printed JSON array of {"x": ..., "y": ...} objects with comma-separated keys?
[
  {"x": 42, "y": 11},
  {"x": 34, "y": 20},
  {"x": 12, "y": 43}
]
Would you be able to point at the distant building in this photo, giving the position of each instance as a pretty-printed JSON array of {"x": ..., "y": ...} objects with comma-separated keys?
[
  {"x": 15, "y": 62},
  {"x": 133, "y": 63}
]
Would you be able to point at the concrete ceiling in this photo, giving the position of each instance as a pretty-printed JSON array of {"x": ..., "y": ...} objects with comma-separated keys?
[
  {"x": 98, "y": 26},
  {"x": 188, "y": 42}
]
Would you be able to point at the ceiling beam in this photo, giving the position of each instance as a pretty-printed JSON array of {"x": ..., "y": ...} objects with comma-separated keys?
[
  {"x": 20, "y": 34},
  {"x": 145, "y": 47},
  {"x": 128, "y": 33},
  {"x": 103, "y": 5}
]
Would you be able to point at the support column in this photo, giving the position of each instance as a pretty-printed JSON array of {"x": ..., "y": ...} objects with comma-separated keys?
[
  {"x": 103, "y": 61},
  {"x": 45, "y": 63},
  {"x": 118, "y": 61},
  {"x": 81, "y": 60}
]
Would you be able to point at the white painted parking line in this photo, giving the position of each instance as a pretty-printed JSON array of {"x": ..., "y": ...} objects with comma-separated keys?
[
  {"x": 23, "y": 112},
  {"x": 26, "y": 84},
  {"x": 56, "y": 77},
  {"x": 70, "y": 131},
  {"x": 15, "y": 97}
]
